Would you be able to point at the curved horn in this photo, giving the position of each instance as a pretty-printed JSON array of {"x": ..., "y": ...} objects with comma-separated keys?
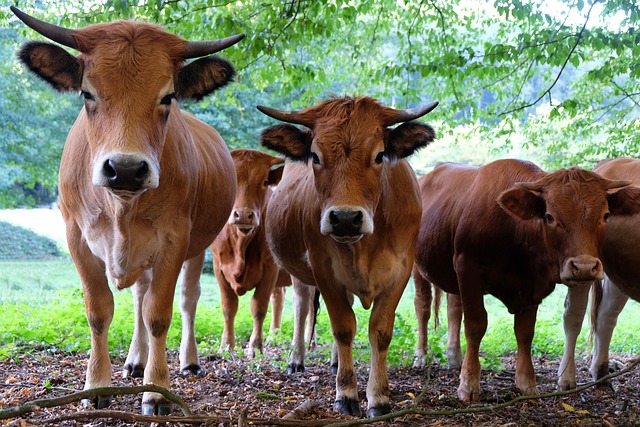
[
  {"x": 411, "y": 114},
  {"x": 285, "y": 116},
  {"x": 531, "y": 186},
  {"x": 610, "y": 184},
  {"x": 62, "y": 35},
  {"x": 196, "y": 49}
]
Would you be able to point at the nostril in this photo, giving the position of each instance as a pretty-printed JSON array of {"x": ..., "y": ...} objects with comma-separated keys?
[
  {"x": 333, "y": 218},
  {"x": 236, "y": 214},
  {"x": 357, "y": 219},
  {"x": 143, "y": 170},
  {"x": 250, "y": 215},
  {"x": 109, "y": 169}
]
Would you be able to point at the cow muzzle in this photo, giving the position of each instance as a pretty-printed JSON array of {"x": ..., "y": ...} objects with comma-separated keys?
[
  {"x": 245, "y": 219},
  {"x": 346, "y": 224},
  {"x": 125, "y": 174},
  {"x": 581, "y": 270}
]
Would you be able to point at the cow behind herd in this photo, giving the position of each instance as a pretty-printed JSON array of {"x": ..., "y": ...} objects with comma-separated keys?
[{"x": 145, "y": 188}]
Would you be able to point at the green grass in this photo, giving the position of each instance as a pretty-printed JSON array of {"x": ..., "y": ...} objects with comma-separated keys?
[{"x": 41, "y": 307}]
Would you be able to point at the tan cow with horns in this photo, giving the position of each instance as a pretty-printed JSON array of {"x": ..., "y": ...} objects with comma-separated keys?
[
  {"x": 144, "y": 187},
  {"x": 345, "y": 218}
]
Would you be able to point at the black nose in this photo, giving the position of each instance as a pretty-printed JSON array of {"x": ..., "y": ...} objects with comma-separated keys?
[
  {"x": 346, "y": 222},
  {"x": 123, "y": 175}
]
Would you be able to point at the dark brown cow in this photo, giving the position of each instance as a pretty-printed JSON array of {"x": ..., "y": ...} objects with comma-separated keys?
[
  {"x": 345, "y": 218},
  {"x": 621, "y": 260},
  {"x": 242, "y": 260},
  {"x": 144, "y": 187},
  {"x": 513, "y": 231}
]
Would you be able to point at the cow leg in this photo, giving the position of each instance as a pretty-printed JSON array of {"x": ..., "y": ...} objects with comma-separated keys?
[
  {"x": 157, "y": 312},
  {"x": 380, "y": 333},
  {"x": 229, "y": 301},
  {"x": 139, "y": 347},
  {"x": 277, "y": 307},
  {"x": 422, "y": 304},
  {"x": 189, "y": 296},
  {"x": 454, "y": 323},
  {"x": 310, "y": 333},
  {"x": 98, "y": 300},
  {"x": 575, "y": 306},
  {"x": 302, "y": 295},
  {"x": 612, "y": 303},
  {"x": 343, "y": 325},
  {"x": 259, "y": 307},
  {"x": 524, "y": 326}
]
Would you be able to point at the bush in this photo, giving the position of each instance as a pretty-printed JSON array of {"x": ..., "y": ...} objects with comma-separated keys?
[{"x": 21, "y": 244}]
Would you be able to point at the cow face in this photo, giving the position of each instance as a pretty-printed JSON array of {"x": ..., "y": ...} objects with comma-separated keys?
[
  {"x": 573, "y": 207},
  {"x": 348, "y": 145},
  {"x": 130, "y": 75},
  {"x": 256, "y": 173}
]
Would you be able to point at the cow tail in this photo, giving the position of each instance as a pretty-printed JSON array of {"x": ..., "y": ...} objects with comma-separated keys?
[
  {"x": 437, "y": 300},
  {"x": 596, "y": 299},
  {"x": 316, "y": 310}
]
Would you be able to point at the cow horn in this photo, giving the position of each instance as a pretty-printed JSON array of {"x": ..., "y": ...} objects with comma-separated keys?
[
  {"x": 411, "y": 114},
  {"x": 61, "y": 35},
  {"x": 616, "y": 184},
  {"x": 285, "y": 116},
  {"x": 196, "y": 49},
  {"x": 531, "y": 186}
]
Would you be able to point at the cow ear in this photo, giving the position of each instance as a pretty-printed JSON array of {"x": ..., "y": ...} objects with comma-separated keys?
[
  {"x": 288, "y": 140},
  {"x": 407, "y": 138},
  {"x": 53, "y": 64},
  {"x": 625, "y": 201},
  {"x": 201, "y": 77},
  {"x": 275, "y": 175},
  {"x": 522, "y": 203}
]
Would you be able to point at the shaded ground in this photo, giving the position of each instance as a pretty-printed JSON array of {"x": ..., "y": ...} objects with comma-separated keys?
[{"x": 230, "y": 386}]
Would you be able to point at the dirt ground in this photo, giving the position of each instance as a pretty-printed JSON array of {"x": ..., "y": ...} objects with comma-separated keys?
[{"x": 260, "y": 389}]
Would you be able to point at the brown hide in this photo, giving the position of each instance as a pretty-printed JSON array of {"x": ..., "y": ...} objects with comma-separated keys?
[
  {"x": 345, "y": 218},
  {"x": 512, "y": 230},
  {"x": 242, "y": 260},
  {"x": 144, "y": 187}
]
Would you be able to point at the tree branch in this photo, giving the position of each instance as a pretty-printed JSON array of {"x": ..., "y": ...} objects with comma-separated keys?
[{"x": 566, "y": 61}]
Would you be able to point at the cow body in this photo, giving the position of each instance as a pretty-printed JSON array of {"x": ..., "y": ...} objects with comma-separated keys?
[
  {"x": 242, "y": 260},
  {"x": 345, "y": 217},
  {"x": 144, "y": 187},
  {"x": 514, "y": 232},
  {"x": 621, "y": 260}
]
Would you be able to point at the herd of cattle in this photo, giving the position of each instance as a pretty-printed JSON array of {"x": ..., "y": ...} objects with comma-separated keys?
[{"x": 145, "y": 188}]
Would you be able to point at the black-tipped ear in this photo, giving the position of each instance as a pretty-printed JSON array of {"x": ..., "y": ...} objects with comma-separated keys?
[
  {"x": 407, "y": 138},
  {"x": 288, "y": 140},
  {"x": 203, "y": 76},
  {"x": 522, "y": 203},
  {"x": 52, "y": 64}
]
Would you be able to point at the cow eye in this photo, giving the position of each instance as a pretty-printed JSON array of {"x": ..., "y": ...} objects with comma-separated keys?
[
  {"x": 166, "y": 100},
  {"x": 87, "y": 96},
  {"x": 380, "y": 157},
  {"x": 549, "y": 218},
  {"x": 606, "y": 216},
  {"x": 315, "y": 158},
  {"x": 266, "y": 183}
]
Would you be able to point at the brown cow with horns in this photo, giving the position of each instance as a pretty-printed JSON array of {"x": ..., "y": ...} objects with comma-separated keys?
[
  {"x": 144, "y": 187},
  {"x": 511, "y": 230},
  {"x": 345, "y": 217}
]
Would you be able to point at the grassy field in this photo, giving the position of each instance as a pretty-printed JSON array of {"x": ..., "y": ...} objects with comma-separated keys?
[{"x": 41, "y": 306}]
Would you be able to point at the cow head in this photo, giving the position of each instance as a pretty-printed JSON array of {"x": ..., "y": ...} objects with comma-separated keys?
[
  {"x": 573, "y": 206},
  {"x": 130, "y": 75},
  {"x": 256, "y": 173},
  {"x": 349, "y": 145}
]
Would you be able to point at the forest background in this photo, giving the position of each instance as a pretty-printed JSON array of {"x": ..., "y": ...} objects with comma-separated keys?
[{"x": 553, "y": 81}]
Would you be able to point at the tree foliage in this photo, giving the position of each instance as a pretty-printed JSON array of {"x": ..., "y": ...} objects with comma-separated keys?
[{"x": 557, "y": 81}]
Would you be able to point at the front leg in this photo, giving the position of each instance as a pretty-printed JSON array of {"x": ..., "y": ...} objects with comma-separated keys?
[
  {"x": 302, "y": 295},
  {"x": 575, "y": 306},
  {"x": 139, "y": 347},
  {"x": 454, "y": 323},
  {"x": 524, "y": 326},
  {"x": 422, "y": 304},
  {"x": 259, "y": 308},
  {"x": 343, "y": 325},
  {"x": 189, "y": 296},
  {"x": 229, "y": 302}
]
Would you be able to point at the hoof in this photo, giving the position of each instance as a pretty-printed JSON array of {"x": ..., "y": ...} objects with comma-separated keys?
[
  {"x": 468, "y": 396},
  {"x": 98, "y": 402},
  {"x": 334, "y": 369},
  {"x": 348, "y": 406},
  {"x": 292, "y": 368},
  {"x": 565, "y": 387},
  {"x": 379, "y": 410},
  {"x": 133, "y": 371},
  {"x": 191, "y": 370},
  {"x": 163, "y": 408}
]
